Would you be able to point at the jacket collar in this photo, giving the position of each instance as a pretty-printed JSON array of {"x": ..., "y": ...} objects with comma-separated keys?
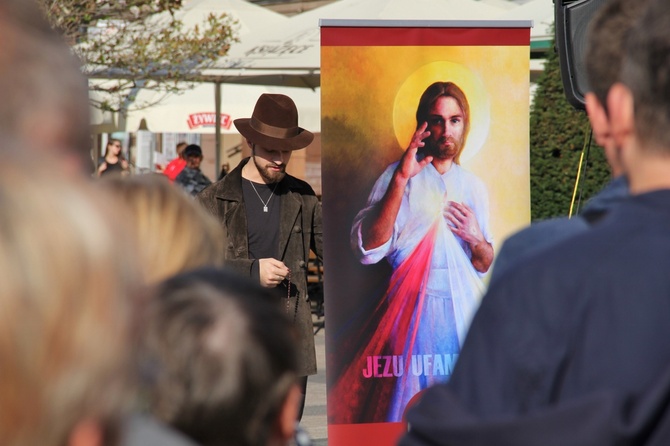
[{"x": 230, "y": 188}]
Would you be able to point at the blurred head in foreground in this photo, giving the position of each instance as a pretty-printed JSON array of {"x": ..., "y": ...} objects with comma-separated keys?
[
  {"x": 607, "y": 35},
  {"x": 225, "y": 360},
  {"x": 44, "y": 93},
  {"x": 174, "y": 233},
  {"x": 65, "y": 286}
]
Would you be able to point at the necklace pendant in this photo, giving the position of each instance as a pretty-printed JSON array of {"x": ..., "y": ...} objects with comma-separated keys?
[{"x": 265, "y": 208}]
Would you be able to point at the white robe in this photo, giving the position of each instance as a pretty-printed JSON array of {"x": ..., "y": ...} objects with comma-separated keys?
[{"x": 453, "y": 289}]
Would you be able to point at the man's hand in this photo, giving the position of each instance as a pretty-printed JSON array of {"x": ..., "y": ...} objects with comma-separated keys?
[
  {"x": 377, "y": 228},
  {"x": 409, "y": 166},
  {"x": 463, "y": 222},
  {"x": 272, "y": 272}
]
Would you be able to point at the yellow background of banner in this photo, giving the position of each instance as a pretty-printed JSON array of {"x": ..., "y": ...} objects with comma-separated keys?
[{"x": 359, "y": 89}]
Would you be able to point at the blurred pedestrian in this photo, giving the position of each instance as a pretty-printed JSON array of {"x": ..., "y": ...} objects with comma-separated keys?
[
  {"x": 175, "y": 166},
  {"x": 113, "y": 162},
  {"x": 191, "y": 178}
]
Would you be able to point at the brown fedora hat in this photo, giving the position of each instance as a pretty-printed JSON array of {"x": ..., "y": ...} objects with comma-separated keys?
[{"x": 274, "y": 124}]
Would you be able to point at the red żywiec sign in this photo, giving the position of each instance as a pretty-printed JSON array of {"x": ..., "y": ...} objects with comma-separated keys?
[{"x": 207, "y": 119}]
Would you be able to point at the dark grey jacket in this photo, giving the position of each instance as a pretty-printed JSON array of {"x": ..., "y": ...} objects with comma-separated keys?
[
  {"x": 567, "y": 347},
  {"x": 299, "y": 231}
]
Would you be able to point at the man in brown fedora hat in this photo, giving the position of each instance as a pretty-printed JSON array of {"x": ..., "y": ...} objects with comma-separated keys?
[{"x": 271, "y": 219}]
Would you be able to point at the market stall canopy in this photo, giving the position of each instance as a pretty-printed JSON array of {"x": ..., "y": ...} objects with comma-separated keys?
[
  {"x": 502, "y": 4},
  {"x": 541, "y": 12},
  {"x": 193, "y": 111},
  {"x": 250, "y": 17},
  {"x": 293, "y": 47}
]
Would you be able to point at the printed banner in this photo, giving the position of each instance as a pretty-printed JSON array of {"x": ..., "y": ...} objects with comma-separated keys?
[
  {"x": 409, "y": 237},
  {"x": 208, "y": 119}
]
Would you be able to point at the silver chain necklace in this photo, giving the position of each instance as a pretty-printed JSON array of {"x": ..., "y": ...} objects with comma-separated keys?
[{"x": 265, "y": 203}]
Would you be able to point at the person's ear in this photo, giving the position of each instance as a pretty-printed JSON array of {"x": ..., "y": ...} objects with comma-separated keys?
[
  {"x": 86, "y": 433},
  {"x": 598, "y": 118},
  {"x": 288, "y": 416},
  {"x": 620, "y": 105}
]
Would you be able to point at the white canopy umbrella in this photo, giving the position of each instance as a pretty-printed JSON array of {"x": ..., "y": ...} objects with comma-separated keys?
[
  {"x": 193, "y": 111},
  {"x": 249, "y": 16},
  {"x": 502, "y": 4},
  {"x": 294, "y": 46},
  {"x": 250, "y": 19},
  {"x": 288, "y": 53},
  {"x": 203, "y": 100},
  {"x": 541, "y": 12}
]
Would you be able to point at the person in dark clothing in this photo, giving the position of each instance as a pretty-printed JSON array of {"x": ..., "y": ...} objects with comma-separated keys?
[
  {"x": 271, "y": 219},
  {"x": 113, "y": 163},
  {"x": 544, "y": 234},
  {"x": 191, "y": 178},
  {"x": 565, "y": 346},
  {"x": 602, "y": 63}
]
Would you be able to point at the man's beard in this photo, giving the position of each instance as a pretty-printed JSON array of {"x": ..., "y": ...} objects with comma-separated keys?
[
  {"x": 270, "y": 176},
  {"x": 441, "y": 150}
]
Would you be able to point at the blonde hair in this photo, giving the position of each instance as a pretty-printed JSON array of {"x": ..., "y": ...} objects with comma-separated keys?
[
  {"x": 174, "y": 233},
  {"x": 64, "y": 305}
]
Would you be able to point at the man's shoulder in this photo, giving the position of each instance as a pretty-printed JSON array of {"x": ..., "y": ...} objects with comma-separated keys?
[
  {"x": 222, "y": 188},
  {"x": 184, "y": 172},
  {"x": 181, "y": 176},
  {"x": 175, "y": 165},
  {"x": 201, "y": 176},
  {"x": 533, "y": 239},
  {"x": 582, "y": 254},
  {"x": 296, "y": 185},
  {"x": 187, "y": 174},
  {"x": 176, "y": 162}
]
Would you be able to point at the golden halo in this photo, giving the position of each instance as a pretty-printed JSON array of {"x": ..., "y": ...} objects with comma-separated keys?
[{"x": 409, "y": 93}]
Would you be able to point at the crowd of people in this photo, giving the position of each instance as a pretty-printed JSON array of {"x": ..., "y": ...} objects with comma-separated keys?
[
  {"x": 164, "y": 309},
  {"x": 123, "y": 322}
]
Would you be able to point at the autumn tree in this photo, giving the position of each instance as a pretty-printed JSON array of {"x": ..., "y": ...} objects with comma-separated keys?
[{"x": 125, "y": 45}]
